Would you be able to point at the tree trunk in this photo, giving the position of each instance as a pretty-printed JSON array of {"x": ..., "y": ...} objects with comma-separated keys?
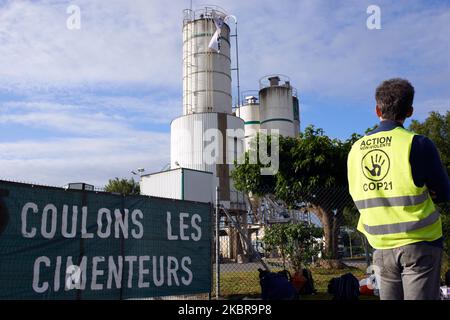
[
  {"x": 255, "y": 203},
  {"x": 331, "y": 226}
]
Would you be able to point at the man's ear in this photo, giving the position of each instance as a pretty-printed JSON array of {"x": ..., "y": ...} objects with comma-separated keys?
[
  {"x": 378, "y": 111},
  {"x": 410, "y": 112}
]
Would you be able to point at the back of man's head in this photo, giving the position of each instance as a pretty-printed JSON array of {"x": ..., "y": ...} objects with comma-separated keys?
[{"x": 395, "y": 98}]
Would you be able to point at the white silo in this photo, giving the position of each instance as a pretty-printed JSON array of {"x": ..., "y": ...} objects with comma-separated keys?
[
  {"x": 206, "y": 72},
  {"x": 207, "y": 101},
  {"x": 276, "y": 100},
  {"x": 249, "y": 111}
]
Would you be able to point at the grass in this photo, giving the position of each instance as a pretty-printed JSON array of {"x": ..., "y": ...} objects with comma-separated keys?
[{"x": 237, "y": 285}]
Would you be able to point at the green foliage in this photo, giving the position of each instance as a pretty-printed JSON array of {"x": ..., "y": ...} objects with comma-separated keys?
[
  {"x": 351, "y": 217},
  {"x": 371, "y": 129},
  {"x": 437, "y": 128},
  {"x": 308, "y": 161},
  {"x": 123, "y": 186},
  {"x": 297, "y": 242},
  {"x": 247, "y": 175},
  {"x": 312, "y": 160},
  {"x": 308, "y": 164},
  {"x": 445, "y": 218}
]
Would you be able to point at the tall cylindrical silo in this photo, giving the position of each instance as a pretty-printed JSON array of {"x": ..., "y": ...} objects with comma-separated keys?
[
  {"x": 206, "y": 73},
  {"x": 207, "y": 101},
  {"x": 276, "y": 106}
]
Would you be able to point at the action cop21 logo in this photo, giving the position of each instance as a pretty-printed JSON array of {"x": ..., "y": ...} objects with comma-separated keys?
[{"x": 375, "y": 165}]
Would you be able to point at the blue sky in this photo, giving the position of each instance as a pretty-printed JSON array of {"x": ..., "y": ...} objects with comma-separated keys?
[{"x": 95, "y": 103}]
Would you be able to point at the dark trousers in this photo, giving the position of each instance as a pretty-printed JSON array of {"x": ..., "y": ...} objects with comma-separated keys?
[{"x": 411, "y": 272}]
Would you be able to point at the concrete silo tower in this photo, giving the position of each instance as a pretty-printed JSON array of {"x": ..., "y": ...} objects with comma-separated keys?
[
  {"x": 249, "y": 111},
  {"x": 207, "y": 99},
  {"x": 206, "y": 72},
  {"x": 277, "y": 105}
]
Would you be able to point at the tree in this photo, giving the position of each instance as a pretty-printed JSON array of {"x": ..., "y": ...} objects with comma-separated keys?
[
  {"x": 445, "y": 217},
  {"x": 437, "y": 128},
  {"x": 123, "y": 186},
  {"x": 312, "y": 176},
  {"x": 297, "y": 242}
]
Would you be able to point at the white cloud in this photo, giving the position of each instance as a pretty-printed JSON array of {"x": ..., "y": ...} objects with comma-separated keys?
[
  {"x": 93, "y": 125},
  {"x": 327, "y": 49},
  {"x": 119, "y": 42},
  {"x": 97, "y": 142},
  {"x": 124, "y": 110},
  {"x": 91, "y": 160},
  {"x": 324, "y": 46}
]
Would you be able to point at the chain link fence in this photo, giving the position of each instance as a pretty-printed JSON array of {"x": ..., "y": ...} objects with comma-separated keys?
[{"x": 325, "y": 220}]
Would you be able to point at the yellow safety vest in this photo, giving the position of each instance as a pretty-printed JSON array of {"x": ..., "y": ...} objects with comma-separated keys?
[{"x": 394, "y": 211}]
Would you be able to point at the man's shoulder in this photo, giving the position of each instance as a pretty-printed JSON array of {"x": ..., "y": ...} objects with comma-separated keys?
[{"x": 422, "y": 143}]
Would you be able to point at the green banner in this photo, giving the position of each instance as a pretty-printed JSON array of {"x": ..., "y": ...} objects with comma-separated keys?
[{"x": 67, "y": 244}]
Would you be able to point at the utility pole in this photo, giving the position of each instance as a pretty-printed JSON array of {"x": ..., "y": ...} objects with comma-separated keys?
[{"x": 217, "y": 245}]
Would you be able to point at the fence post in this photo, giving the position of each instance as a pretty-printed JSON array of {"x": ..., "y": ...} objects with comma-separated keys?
[
  {"x": 366, "y": 249},
  {"x": 217, "y": 245}
]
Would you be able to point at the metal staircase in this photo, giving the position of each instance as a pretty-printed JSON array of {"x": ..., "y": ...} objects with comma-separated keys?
[{"x": 244, "y": 237}]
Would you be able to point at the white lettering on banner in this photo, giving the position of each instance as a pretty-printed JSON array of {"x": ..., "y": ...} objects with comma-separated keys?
[
  {"x": 73, "y": 232},
  {"x": 121, "y": 223},
  {"x": 158, "y": 282},
  {"x": 143, "y": 271},
  {"x": 115, "y": 272},
  {"x": 49, "y": 222},
  {"x": 170, "y": 236},
  {"x": 57, "y": 274},
  {"x": 49, "y": 234},
  {"x": 147, "y": 271},
  {"x": 65, "y": 273},
  {"x": 96, "y": 272},
  {"x": 84, "y": 233},
  {"x": 134, "y": 218},
  {"x": 183, "y": 226},
  {"x": 183, "y": 235},
  {"x": 83, "y": 270},
  {"x": 184, "y": 261},
  {"x": 198, "y": 236},
  {"x": 107, "y": 213},
  {"x": 28, "y": 206},
  {"x": 130, "y": 260},
  {"x": 172, "y": 271},
  {"x": 36, "y": 287}
]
